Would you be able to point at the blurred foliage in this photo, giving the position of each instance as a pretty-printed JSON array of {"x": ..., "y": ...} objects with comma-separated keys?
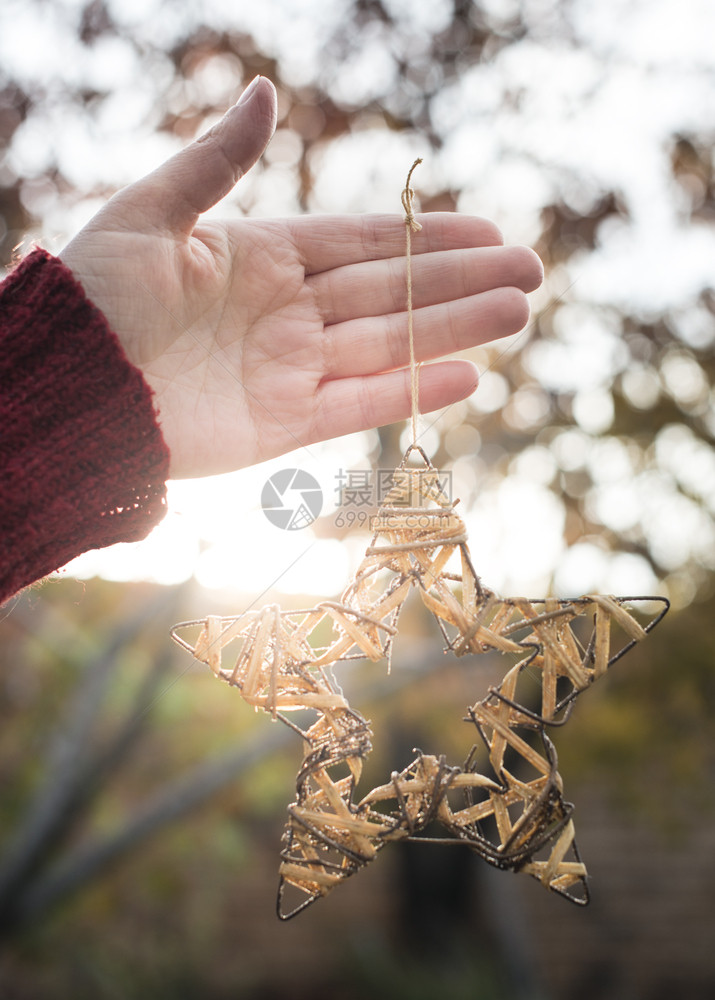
[{"x": 601, "y": 419}]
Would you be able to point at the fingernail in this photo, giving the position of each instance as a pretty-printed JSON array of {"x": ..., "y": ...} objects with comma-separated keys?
[{"x": 248, "y": 92}]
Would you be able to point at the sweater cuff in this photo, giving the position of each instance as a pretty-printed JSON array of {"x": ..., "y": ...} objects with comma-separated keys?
[{"x": 83, "y": 463}]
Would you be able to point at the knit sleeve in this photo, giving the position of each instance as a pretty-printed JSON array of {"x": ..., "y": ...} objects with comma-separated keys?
[{"x": 83, "y": 463}]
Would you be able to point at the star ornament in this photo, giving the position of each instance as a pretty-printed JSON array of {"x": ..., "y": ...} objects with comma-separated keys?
[{"x": 515, "y": 815}]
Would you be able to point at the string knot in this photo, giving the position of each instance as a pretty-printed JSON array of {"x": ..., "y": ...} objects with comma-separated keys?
[{"x": 407, "y": 201}]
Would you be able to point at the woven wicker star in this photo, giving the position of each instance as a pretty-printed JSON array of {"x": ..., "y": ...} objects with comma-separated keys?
[{"x": 515, "y": 816}]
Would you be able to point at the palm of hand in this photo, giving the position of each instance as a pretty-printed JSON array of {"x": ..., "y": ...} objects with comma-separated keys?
[
  {"x": 225, "y": 330},
  {"x": 236, "y": 360}
]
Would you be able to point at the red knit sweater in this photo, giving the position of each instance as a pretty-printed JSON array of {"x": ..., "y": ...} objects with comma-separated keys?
[{"x": 82, "y": 460}]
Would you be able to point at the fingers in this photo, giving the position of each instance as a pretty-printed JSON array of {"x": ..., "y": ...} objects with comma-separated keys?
[
  {"x": 175, "y": 194},
  {"x": 380, "y": 286},
  {"x": 355, "y": 404},
  {"x": 329, "y": 241},
  {"x": 375, "y": 344}
]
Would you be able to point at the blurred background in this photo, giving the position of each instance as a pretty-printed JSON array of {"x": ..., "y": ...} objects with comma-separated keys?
[{"x": 142, "y": 803}]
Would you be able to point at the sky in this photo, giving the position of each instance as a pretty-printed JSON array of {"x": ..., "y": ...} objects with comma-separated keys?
[{"x": 591, "y": 116}]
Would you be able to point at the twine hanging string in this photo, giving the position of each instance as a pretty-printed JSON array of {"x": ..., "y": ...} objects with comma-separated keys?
[{"x": 411, "y": 226}]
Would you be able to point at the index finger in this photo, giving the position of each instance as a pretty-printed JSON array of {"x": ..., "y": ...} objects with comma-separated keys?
[{"x": 327, "y": 241}]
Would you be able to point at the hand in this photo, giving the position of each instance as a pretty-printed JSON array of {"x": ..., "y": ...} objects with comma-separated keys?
[{"x": 259, "y": 336}]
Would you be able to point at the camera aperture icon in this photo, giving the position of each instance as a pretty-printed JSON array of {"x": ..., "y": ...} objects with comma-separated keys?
[{"x": 292, "y": 499}]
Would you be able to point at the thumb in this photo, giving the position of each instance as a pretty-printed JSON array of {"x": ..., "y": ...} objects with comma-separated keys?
[{"x": 175, "y": 194}]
